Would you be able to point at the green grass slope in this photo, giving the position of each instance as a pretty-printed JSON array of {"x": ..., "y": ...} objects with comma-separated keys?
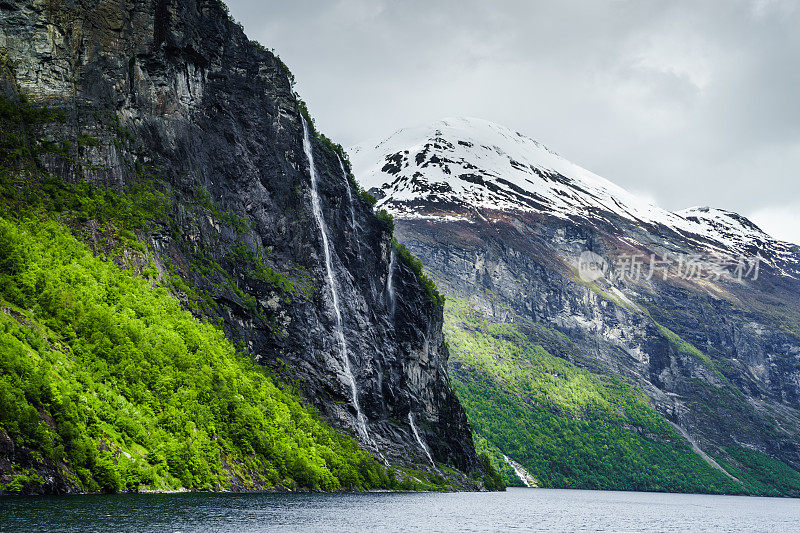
[{"x": 574, "y": 429}]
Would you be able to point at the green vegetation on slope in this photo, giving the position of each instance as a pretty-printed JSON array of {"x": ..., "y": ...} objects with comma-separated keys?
[
  {"x": 493, "y": 479},
  {"x": 762, "y": 474},
  {"x": 494, "y": 457},
  {"x": 566, "y": 426},
  {"x": 106, "y": 373},
  {"x": 415, "y": 265}
]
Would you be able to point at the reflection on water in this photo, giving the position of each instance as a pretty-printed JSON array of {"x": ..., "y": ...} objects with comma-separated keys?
[{"x": 515, "y": 510}]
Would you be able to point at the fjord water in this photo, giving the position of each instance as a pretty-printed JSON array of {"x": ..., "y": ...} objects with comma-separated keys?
[{"x": 515, "y": 510}]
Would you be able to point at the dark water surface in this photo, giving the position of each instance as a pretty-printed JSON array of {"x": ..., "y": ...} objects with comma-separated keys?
[{"x": 515, "y": 510}]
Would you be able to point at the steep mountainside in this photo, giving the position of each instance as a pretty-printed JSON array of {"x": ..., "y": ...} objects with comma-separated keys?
[
  {"x": 700, "y": 309},
  {"x": 106, "y": 384},
  {"x": 262, "y": 228}
]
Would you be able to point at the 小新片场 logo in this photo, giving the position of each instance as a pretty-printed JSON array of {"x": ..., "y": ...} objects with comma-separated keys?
[{"x": 591, "y": 266}]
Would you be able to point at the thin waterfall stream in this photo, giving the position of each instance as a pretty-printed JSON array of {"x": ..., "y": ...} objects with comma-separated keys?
[
  {"x": 390, "y": 281},
  {"x": 361, "y": 425},
  {"x": 524, "y": 476},
  {"x": 419, "y": 439},
  {"x": 353, "y": 223}
]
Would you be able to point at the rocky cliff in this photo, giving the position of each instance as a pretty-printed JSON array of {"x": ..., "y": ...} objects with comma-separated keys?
[
  {"x": 264, "y": 229},
  {"x": 504, "y": 223}
]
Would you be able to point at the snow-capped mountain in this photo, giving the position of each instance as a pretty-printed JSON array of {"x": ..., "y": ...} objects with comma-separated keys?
[
  {"x": 457, "y": 167},
  {"x": 670, "y": 301},
  {"x": 475, "y": 163}
]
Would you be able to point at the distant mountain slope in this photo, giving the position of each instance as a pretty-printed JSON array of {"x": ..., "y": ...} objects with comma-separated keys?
[
  {"x": 699, "y": 309},
  {"x": 472, "y": 163}
]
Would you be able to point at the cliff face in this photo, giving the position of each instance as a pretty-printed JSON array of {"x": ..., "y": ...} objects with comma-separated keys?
[
  {"x": 503, "y": 222},
  {"x": 744, "y": 394},
  {"x": 172, "y": 94}
]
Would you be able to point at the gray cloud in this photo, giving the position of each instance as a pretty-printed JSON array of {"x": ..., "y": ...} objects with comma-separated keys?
[{"x": 688, "y": 102}]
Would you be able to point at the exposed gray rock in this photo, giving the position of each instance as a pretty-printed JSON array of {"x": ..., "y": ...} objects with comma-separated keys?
[{"x": 748, "y": 396}]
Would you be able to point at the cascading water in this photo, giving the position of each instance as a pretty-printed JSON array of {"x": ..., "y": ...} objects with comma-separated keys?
[
  {"x": 390, "y": 281},
  {"x": 361, "y": 423},
  {"x": 419, "y": 439},
  {"x": 524, "y": 476},
  {"x": 353, "y": 223}
]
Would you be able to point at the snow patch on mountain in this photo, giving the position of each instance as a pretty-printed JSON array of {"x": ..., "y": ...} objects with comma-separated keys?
[{"x": 732, "y": 226}]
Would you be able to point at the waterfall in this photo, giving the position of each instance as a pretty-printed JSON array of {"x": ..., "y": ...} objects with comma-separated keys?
[
  {"x": 524, "y": 476},
  {"x": 390, "y": 281},
  {"x": 353, "y": 223},
  {"x": 419, "y": 439},
  {"x": 361, "y": 425}
]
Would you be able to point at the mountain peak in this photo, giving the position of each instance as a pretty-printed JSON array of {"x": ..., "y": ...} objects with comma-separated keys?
[
  {"x": 457, "y": 164},
  {"x": 722, "y": 220}
]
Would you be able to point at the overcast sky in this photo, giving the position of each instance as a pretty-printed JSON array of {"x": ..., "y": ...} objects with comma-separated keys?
[{"x": 684, "y": 103}]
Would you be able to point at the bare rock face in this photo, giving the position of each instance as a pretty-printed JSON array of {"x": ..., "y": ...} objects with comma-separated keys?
[
  {"x": 744, "y": 394},
  {"x": 172, "y": 93}
]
